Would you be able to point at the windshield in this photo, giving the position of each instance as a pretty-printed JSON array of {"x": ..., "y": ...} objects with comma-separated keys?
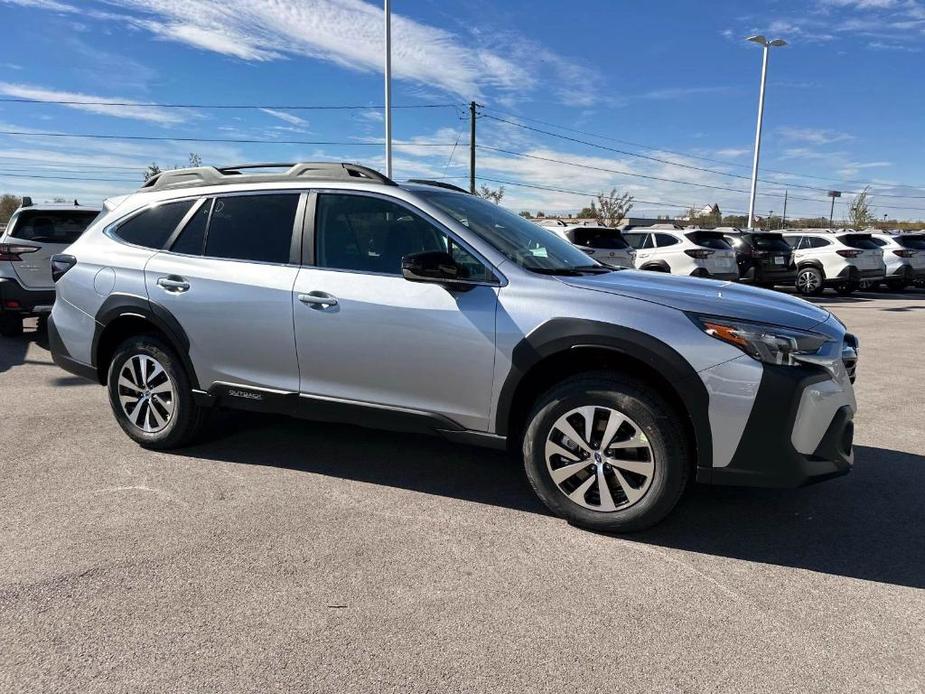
[
  {"x": 709, "y": 239},
  {"x": 529, "y": 245},
  {"x": 914, "y": 242},
  {"x": 766, "y": 241},
  {"x": 50, "y": 226},
  {"x": 861, "y": 241},
  {"x": 595, "y": 237}
]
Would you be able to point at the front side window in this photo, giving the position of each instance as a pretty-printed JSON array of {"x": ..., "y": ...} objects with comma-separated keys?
[
  {"x": 152, "y": 227},
  {"x": 527, "y": 244},
  {"x": 369, "y": 234},
  {"x": 257, "y": 228},
  {"x": 53, "y": 226}
]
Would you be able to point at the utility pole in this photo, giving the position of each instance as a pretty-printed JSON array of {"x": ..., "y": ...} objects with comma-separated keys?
[
  {"x": 783, "y": 221},
  {"x": 388, "y": 88},
  {"x": 473, "y": 114},
  {"x": 833, "y": 194}
]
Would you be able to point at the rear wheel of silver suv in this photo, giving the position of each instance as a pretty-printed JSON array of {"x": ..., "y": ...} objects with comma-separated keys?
[
  {"x": 606, "y": 453},
  {"x": 151, "y": 396}
]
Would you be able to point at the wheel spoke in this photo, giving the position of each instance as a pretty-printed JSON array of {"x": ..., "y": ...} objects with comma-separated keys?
[
  {"x": 614, "y": 422},
  {"x": 640, "y": 467},
  {"x": 567, "y": 429},
  {"x": 578, "y": 496},
  {"x": 156, "y": 370},
  {"x": 164, "y": 387},
  {"x": 607, "y": 503},
  {"x": 159, "y": 419},
  {"x": 637, "y": 440},
  {"x": 125, "y": 382},
  {"x": 632, "y": 494},
  {"x": 136, "y": 415},
  {"x": 587, "y": 414},
  {"x": 560, "y": 474}
]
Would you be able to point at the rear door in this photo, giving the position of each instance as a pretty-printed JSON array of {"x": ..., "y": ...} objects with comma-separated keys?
[
  {"x": 644, "y": 244},
  {"x": 50, "y": 231},
  {"x": 227, "y": 277}
]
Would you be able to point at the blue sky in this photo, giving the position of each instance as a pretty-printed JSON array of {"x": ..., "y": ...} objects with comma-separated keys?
[{"x": 662, "y": 87}]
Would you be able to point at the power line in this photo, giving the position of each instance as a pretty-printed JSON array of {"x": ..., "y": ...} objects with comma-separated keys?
[
  {"x": 725, "y": 162},
  {"x": 280, "y": 107},
  {"x": 166, "y": 138}
]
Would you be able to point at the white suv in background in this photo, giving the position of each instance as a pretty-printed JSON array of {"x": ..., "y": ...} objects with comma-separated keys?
[
  {"x": 904, "y": 256},
  {"x": 840, "y": 259},
  {"x": 694, "y": 252},
  {"x": 33, "y": 235},
  {"x": 604, "y": 244}
]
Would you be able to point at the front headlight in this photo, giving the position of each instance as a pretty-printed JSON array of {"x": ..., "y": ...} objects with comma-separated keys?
[{"x": 768, "y": 343}]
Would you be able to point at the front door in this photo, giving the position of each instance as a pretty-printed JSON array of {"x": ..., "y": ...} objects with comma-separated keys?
[
  {"x": 227, "y": 279},
  {"x": 366, "y": 334}
]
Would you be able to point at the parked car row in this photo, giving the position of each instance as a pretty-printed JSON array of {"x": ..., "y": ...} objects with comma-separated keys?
[
  {"x": 330, "y": 292},
  {"x": 808, "y": 260}
]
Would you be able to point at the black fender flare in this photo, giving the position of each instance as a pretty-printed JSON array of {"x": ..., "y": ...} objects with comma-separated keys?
[
  {"x": 811, "y": 263},
  {"x": 564, "y": 334},
  {"x": 120, "y": 305},
  {"x": 656, "y": 266}
]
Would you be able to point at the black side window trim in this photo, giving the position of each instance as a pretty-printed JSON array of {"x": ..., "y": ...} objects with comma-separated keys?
[
  {"x": 311, "y": 221},
  {"x": 172, "y": 239},
  {"x": 112, "y": 229}
]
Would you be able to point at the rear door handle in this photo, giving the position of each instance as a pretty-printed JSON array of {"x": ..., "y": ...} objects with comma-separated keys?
[
  {"x": 173, "y": 284},
  {"x": 318, "y": 300}
]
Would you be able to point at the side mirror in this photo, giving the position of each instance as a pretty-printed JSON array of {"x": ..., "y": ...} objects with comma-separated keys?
[{"x": 431, "y": 266}]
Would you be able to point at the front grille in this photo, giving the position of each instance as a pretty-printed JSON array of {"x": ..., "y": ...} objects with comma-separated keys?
[{"x": 849, "y": 353}]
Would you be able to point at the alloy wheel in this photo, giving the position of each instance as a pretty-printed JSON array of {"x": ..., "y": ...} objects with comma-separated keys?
[
  {"x": 146, "y": 393},
  {"x": 599, "y": 458},
  {"x": 808, "y": 281}
]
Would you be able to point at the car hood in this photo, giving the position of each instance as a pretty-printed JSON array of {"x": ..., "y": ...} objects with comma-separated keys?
[{"x": 708, "y": 297}]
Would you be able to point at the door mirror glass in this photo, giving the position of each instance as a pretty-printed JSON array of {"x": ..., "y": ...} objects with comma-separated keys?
[{"x": 432, "y": 266}]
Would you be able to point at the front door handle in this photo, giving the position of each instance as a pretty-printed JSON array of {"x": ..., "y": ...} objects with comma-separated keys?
[
  {"x": 318, "y": 300},
  {"x": 173, "y": 284}
]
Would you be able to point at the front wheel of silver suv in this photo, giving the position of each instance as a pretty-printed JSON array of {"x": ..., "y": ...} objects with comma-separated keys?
[
  {"x": 151, "y": 396},
  {"x": 606, "y": 453}
]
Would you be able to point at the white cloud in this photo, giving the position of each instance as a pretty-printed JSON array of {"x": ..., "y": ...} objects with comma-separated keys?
[
  {"x": 815, "y": 136},
  {"x": 108, "y": 106},
  {"x": 286, "y": 117},
  {"x": 733, "y": 152}
]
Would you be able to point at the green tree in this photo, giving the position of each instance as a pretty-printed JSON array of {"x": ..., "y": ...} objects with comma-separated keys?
[
  {"x": 613, "y": 208},
  {"x": 526, "y": 214},
  {"x": 588, "y": 212},
  {"x": 8, "y": 205},
  {"x": 152, "y": 171},
  {"x": 489, "y": 194},
  {"x": 860, "y": 212}
]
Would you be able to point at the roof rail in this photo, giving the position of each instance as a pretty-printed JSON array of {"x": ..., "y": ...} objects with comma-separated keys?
[
  {"x": 438, "y": 184},
  {"x": 210, "y": 175}
]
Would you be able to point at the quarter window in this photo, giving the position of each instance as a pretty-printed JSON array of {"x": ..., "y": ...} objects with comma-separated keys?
[
  {"x": 367, "y": 234},
  {"x": 252, "y": 227},
  {"x": 665, "y": 240},
  {"x": 154, "y": 226}
]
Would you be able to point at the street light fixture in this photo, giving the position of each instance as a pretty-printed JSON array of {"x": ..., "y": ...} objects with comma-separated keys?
[{"x": 776, "y": 43}]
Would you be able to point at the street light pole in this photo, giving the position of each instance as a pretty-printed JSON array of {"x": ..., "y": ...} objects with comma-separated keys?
[
  {"x": 388, "y": 88},
  {"x": 766, "y": 45}
]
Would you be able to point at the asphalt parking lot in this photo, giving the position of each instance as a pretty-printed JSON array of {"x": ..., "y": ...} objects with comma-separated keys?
[{"x": 288, "y": 555}]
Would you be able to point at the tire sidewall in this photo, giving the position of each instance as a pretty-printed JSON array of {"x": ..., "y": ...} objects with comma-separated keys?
[
  {"x": 660, "y": 425},
  {"x": 184, "y": 406}
]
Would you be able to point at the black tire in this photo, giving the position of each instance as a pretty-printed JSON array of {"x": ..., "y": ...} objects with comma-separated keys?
[
  {"x": 809, "y": 281},
  {"x": 187, "y": 418},
  {"x": 10, "y": 326},
  {"x": 660, "y": 423},
  {"x": 897, "y": 285},
  {"x": 846, "y": 288}
]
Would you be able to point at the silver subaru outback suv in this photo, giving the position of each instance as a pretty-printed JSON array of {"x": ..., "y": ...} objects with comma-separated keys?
[{"x": 330, "y": 292}]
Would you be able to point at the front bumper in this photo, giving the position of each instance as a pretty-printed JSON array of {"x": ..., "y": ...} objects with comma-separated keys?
[
  {"x": 800, "y": 431},
  {"x": 14, "y": 298}
]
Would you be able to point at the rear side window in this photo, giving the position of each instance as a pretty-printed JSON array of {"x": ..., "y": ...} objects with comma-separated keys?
[
  {"x": 154, "y": 226},
  {"x": 193, "y": 236},
  {"x": 53, "y": 226},
  {"x": 860, "y": 241},
  {"x": 707, "y": 239},
  {"x": 814, "y": 242},
  {"x": 666, "y": 240},
  {"x": 252, "y": 227},
  {"x": 768, "y": 242},
  {"x": 916, "y": 243},
  {"x": 599, "y": 238}
]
